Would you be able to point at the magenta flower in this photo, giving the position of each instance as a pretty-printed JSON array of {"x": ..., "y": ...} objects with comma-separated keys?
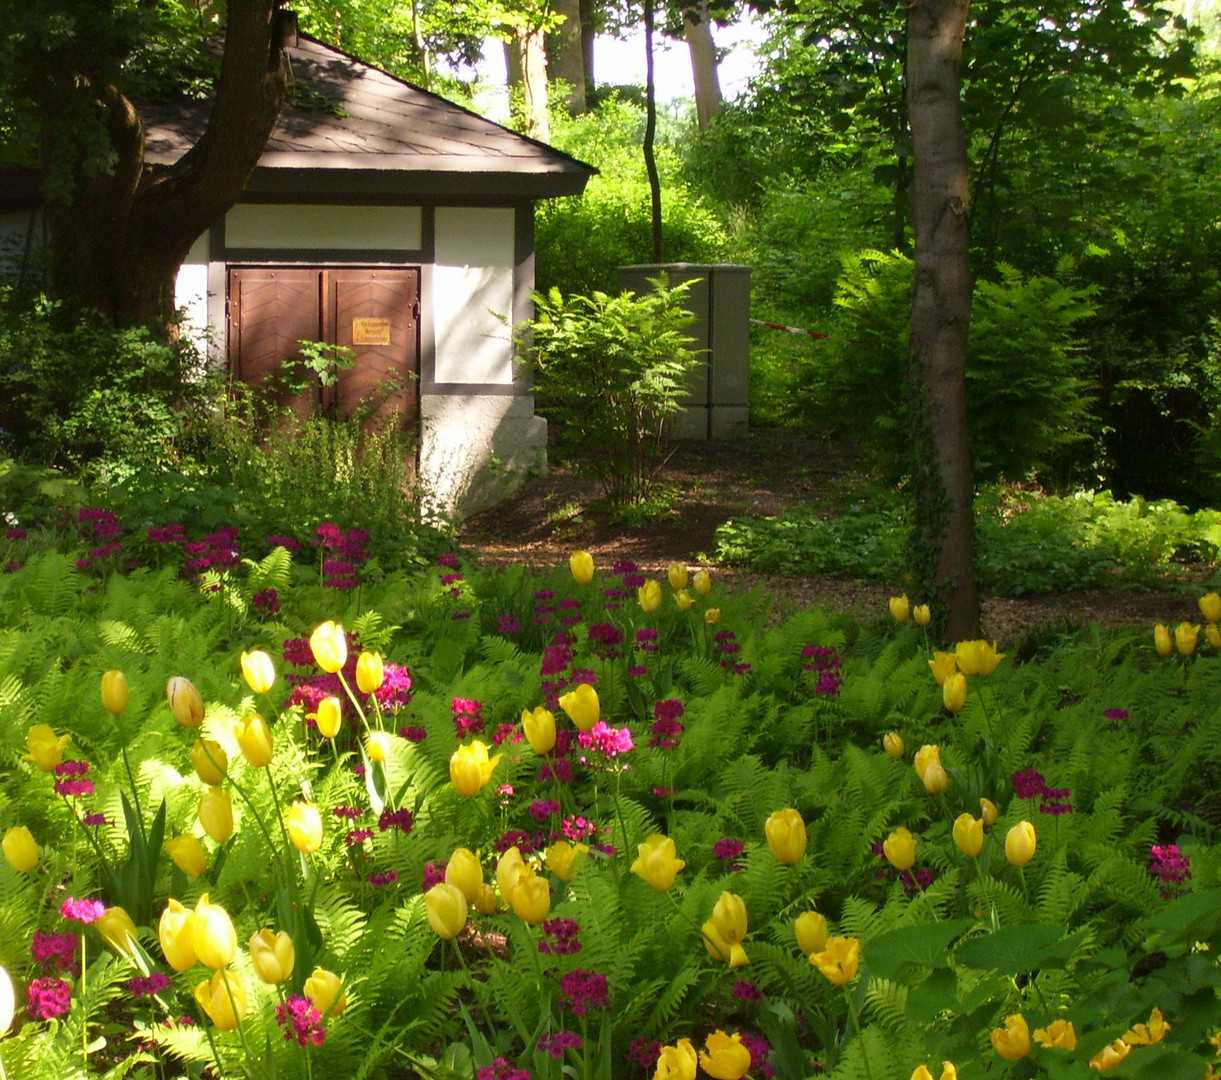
[
  {"x": 48, "y": 998},
  {"x": 582, "y": 990},
  {"x": 85, "y": 911},
  {"x": 556, "y": 1043},
  {"x": 301, "y": 1021}
]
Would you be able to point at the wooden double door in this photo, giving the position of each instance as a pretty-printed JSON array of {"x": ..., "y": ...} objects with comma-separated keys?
[{"x": 372, "y": 311}]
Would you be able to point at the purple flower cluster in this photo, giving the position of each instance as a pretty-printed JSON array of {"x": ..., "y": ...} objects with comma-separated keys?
[
  {"x": 105, "y": 529},
  {"x": 747, "y": 991},
  {"x": 217, "y": 551},
  {"x": 289, "y": 543},
  {"x": 1029, "y": 784},
  {"x": 667, "y": 725},
  {"x": 500, "y": 1069},
  {"x": 139, "y": 986},
  {"x": 542, "y": 809},
  {"x": 379, "y": 881},
  {"x": 577, "y": 828},
  {"x": 1170, "y": 865},
  {"x": 1115, "y": 715},
  {"x": 554, "y": 669},
  {"x": 556, "y": 1043},
  {"x": 727, "y": 851},
  {"x": 759, "y": 1050},
  {"x": 582, "y": 990},
  {"x": 167, "y": 534},
  {"x": 729, "y": 647},
  {"x": 301, "y": 1021},
  {"x": 644, "y": 1053},
  {"x": 606, "y": 640},
  {"x": 403, "y": 820},
  {"x": 267, "y": 601},
  {"x": 56, "y": 952},
  {"x": 413, "y": 734},
  {"x": 85, "y": 911},
  {"x": 48, "y": 998},
  {"x": 606, "y": 741},
  {"x": 70, "y": 780},
  {"x": 342, "y": 570},
  {"x": 826, "y": 662},
  {"x": 434, "y": 874},
  {"x": 560, "y": 937},
  {"x": 468, "y": 716},
  {"x": 508, "y": 624}
]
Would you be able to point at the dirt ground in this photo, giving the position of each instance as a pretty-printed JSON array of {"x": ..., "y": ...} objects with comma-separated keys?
[{"x": 762, "y": 473}]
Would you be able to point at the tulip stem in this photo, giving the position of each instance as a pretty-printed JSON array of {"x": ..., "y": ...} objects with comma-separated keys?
[
  {"x": 275, "y": 794},
  {"x": 856, "y": 1028},
  {"x": 84, "y": 1007},
  {"x": 241, "y": 1032},
  {"x": 135, "y": 795}
]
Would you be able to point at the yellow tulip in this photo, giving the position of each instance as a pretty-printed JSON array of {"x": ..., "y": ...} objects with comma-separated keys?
[
  {"x": 1012, "y": 1041},
  {"x": 922, "y": 615},
  {"x": 1210, "y": 607},
  {"x": 378, "y": 744},
  {"x": 325, "y": 992},
  {"x": 485, "y": 900},
  {"x": 259, "y": 671},
  {"x": 921, "y": 1073},
  {"x": 701, "y": 582},
  {"x": 839, "y": 959},
  {"x": 943, "y": 665},
  {"x": 582, "y": 706},
  {"x": 186, "y": 703},
  {"x": 676, "y": 1062},
  {"x": 188, "y": 854},
  {"x": 273, "y": 955},
  {"x": 892, "y": 743},
  {"x": 174, "y": 933},
  {"x": 969, "y": 834},
  {"x": 1163, "y": 642},
  {"x": 304, "y": 825},
  {"x": 925, "y": 756},
  {"x": 254, "y": 738},
  {"x": 954, "y": 692},
  {"x": 328, "y": 717},
  {"x": 949, "y": 1071},
  {"x": 1186, "y": 637},
  {"x": 370, "y": 672},
  {"x": 445, "y": 907},
  {"x": 114, "y": 692},
  {"x": 1059, "y": 1034},
  {"x": 729, "y": 919},
  {"x": 712, "y": 615},
  {"x": 564, "y": 859},
  {"x": 977, "y": 657},
  {"x": 210, "y": 761},
  {"x": 1150, "y": 1033},
  {"x": 718, "y": 948},
  {"x": 989, "y": 812},
  {"x": 465, "y": 873},
  {"x": 1110, "y": 1056},
  {"x": 1020, "y": 843},
  {"x": 900, "y": 849},
  {"x": 811, "y": 931},
  {"x": 216, "y": 814},
  {"x": 212, "y": 934},
  {"x": 900, "y": 608},
  {"x": 46, "y": 748},
  {"x": 329, "y": 645},
  {"x": 657, "y": 863},
  {"x": 539, "y": 726},
  {"x": 20, "y": 849},
  {"x": 649, "y": 596},
  {"x": 684, "y": 600},
  {"x": 509, "y": 867},
  {"x": 935, "y": 778},
  {"x": 530, "y": 897},
  {"x": 581, "y": 564},
  {"x": 117, "y": 930},
  {"x": 786, "y": 836},
  {"x": 470, "y": 768},
  {"x": 726, "y": 1057},
  {"x": 223, "y": 998},
  {"x": 1213, "y": 634},
  {"x": 677, "y": 575}
]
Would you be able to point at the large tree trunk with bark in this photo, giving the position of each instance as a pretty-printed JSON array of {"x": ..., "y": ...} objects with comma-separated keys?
[
  {"x": 118, "y": 239},
  {"x": 528, "y": 72},
  {"x": 650, "y": 132},
  {"x": 697, "y": 27},
  {"x": 941, "y": 311},
  {"x": 566, "y": 53}
]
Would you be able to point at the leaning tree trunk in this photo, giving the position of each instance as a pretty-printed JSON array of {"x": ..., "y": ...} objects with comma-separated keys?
[
  {"x": 566, "y": 53},
  {"x": 529, "y": 68},
  {"x": 941, "y": 312},
  {"x": 650, "y": 131},
  {"x": 697, "y": 27},
  {"x": 116, "y": 241}
]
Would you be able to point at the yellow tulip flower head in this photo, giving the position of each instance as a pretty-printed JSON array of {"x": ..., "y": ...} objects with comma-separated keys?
[
  {"x": 378, "y": 744},
  {"x": 649, "y": 596},
  {"x": 725, "y": 1057},
  {"x": 254, "y": 738},
  {"x": 581, "y": 565},
  {"x": 1020, "y": 843},
  {"x": 811, "y": 931},
  {"x": 900, "y": 849},
  {"x": 1110, "y": 1056},
  {"x": 977, "y": 657},
  {"x": 676, "y": 1062},
  {"x": 712, "y": 615},
  {"x": 212, "y": 934},
  {"x": 465, "y": 873},
  {"x": 216, "y": 814},
  {"x": 46, "y": 748},
  {"x": 186, "y": 703},
  {"x": 582, "y": 706},
  {"x": 922, "y": 615},
  {"x": 114, "y": 692},
  {"x": 989, "y": 812},
  {"x": 188, "y": 854},
  {"x": 486, "y": 901},
  {"x": 20, "y": 849},
  {"x": 273, "y": 955},
  {"x": 329, "y": 644},
  {"x": 684, "y": 600},
  {"x": 701, "y": 582},
  {"x": 729, "y": 919},
  {"x": 223, "y": 999},
  {"x": 539, "y": 728},
  {"x": 927, "y": 755},
  {"x": 1059, "y": 1034},
  {"x": 1186, "y": 638},
  {"x": 1210, "y": 607},
  {"x": 786, "y": 836},
  {"x": 943, "y": 665},
  {"x": 1012, "y": 1041},
  {"x": 470, "y": 768},
  {"x": 1213, "y": 634},
  {"x": 509, "y": 868},
  {"x": 718, "y": 948},
  {"x": 174, "y": 933},
  {"x": 677, "y": 575},
  {"x": 954, "y": 692},
  {"x": 839, "y": 959},
  {"x": 530, "y": 897},
  {"x": 210, "y": 761},
  {"x": 564, "y": 859},
  {"x": 969, "y": 834},
  {"x": 892, "y": 743},
  {"x": 900, "y": 608},
  {"x": 1148, "y": 1034},
  {"x": 657, "y": 862},
  {"x": 370, "y": 672},
  {"x": 325, "y": 992},
  {"x": 258, "y": 671},
  {"x": 935, "y": 778},
  {"x": 1162, "y": 640},
  {"x": 328, "y": 717},
  {"x": 304, "y": 825},
  {"x": 446, "y": 909}
]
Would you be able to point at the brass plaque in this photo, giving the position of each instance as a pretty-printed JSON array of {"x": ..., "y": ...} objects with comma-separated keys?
[{"x": 370, "y": 331}]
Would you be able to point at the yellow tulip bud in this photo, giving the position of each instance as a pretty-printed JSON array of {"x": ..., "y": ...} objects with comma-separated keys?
[
  {"x": 326, "y": 994},
  {"x": 509, "y": 868},
  {"x": 378, "y": 745},
  {"x": 445, "y": 907},
  {"x": 117, "y": 930},
  {"x": 329, "y": 645},
  {"x": 328, "y": 717},
  {"x": 210, "y": 761},
  {"x": 943, "y": 665},
  {"x": 949, "y": 1071},
  {"x": 465, "y": 873},
  {"x": 254, "y": 738},
  {"x": 811, "y": 931},
  {"x": 530, "y": 898},
  {"x": 46, "y": 748},
  {"x": 892, "y": 743},
  {"x": 701, "y": 582},
  {"x": 719, "y": 949},
  {"x": 486, "y": 901},
  {"x": 989, "y": 812},
  {"x": 786, "y": 836},
  {"x": 212, "y": 934},
  {"x": 1148, "y": 1034},
  {"x": 370, "y": 672},
  {"x": 1162, "y": 640},
  {"x": 1210, "y": 607},
  {"x": 900, "y": 849},
  {"x": 114, "y": 692},
  {"x": 470, "y": 768},
  {"x": 304, "y": 825},
  {"x": 186, "y": 703},
  {"x": 657, "y": 863},
  {"x": 969, "y": 834},
  {"x": 925, "y": 756},
  {"x": 581, "y": 563},
  {"x": 712, "y": 615},
  {"x": 726, "y": 1057},
  {"x": 20, "y": 850},
  {"x": 582, "y": 706},
  {"x": 729, "y": 924},
  {"x": 649, "y": 597},
  {"x": 935, "y": 778},
  {"x": 188, "y": 854},
  {"x": 1012, "y": 1041},
  {"x": 1186, "y": 637},
  {"x": 684, "y": 600},
  {"x": 174, "y": 933},
  {"x": 676, "y": 1062},
  {"x": 564, "y": 859},
  {"x": 259, "y": 671},
  {"x": 977, "y": 657},
  {"x": 954, "y": 692},
  {"x": 1059, "y": 1034},
  {"x": 921, "y": 1073},
  {"x": 1110, "y": 1056},
  {"x": 223, "y": 998},
  {"x": 1213, "y": 634},
  {"x": 216, "y": 814},
  {"x": 677, "y": 574},
  {"x": 921, "y": 615},
  {"x": 900, "y": 608},
  {"x": 1020, "y": 843},
  {"x": 273, "y": 955},
  {"x": 539, "y": 727},
  {"x": 839, "y": 959}
]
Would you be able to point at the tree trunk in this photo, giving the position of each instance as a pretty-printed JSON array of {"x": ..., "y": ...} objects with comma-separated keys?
[
  {"x": 697, "y": 26},
  {"x": 117, "y": 240},
  {"x": 530, "y": 64},
  {"x": 650, "y": 131},
  {"x": 589, "y": 31},
  {"x": 941, "y": 311},
  {"x": 566, "y": 53}
]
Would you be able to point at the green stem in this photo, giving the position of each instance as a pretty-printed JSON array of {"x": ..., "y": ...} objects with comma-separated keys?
[
  {"x": 84, "y": 1007},
  {"x": 135, "y": 795},
  {"x": 856, "y": 1028}
]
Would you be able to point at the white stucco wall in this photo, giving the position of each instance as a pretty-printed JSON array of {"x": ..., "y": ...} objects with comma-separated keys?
[
  {"x": 344, "y": 228},
  {"x": 191, "y": 293},
  {"x": 472, "y": 284}
]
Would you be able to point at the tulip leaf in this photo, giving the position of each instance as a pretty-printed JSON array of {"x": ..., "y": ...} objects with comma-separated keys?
[
  {"x": 1193, "y": 917},
  {"x": 926, "y": 946},
  {"x": 1014, "y": 950},
  {"x": 1171, "y": 1063}
]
